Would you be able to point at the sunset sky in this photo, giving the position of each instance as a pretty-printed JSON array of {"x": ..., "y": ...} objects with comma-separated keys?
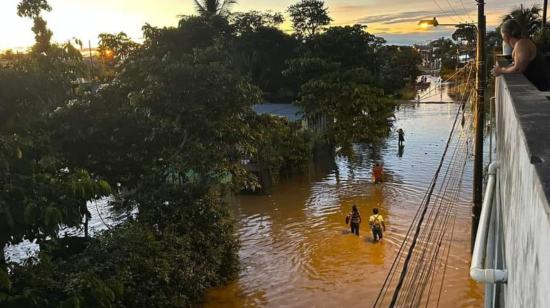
[{"x": 395, "y": 20}]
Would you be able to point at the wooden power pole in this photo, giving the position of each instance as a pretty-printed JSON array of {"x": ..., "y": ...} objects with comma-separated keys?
[
  {"x": 479, "y": 119},
  {"x": 544, "y": 8}
]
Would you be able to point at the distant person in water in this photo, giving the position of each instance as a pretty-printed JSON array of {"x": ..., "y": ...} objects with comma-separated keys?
[
  {"x": 401, "y": 136},
  {"x": 376, "y": 222},
  {"x": 377, "y": 172},
  {"x": 354, "y": 219},
  {"x": 527, "y": 59}
]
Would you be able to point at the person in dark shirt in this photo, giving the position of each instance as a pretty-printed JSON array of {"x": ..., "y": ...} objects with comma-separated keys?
[
  {"x": 527, "y": 58},
  {"x": 354, "y": 220},
  {"x": 401, "y": 136}
]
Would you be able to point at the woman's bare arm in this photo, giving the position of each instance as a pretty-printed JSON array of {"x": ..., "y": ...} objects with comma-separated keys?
[{"x": 522, "y": 57}]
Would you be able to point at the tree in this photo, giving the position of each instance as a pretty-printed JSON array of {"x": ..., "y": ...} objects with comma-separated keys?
[
  {"x": 253, "y": 20},
  {"x": 528, "y": 18},
  {"x": 351, "y": 46},
  {"x": 210, "y": 8},
  {"x": 466, "y": 37},
  {"x": 193, "y": 32},
  {"x": 40, "y": 191},
  {"x": 466, "y": 33},
  {"x": 308, "y": 17},
  {"x": 262, "y": 55},
  {"x": 446, "y": 50},
  {"x": 171, "y": 129},
  {"x": 358, "y": 110},
  {"x": 303, "y": 69},
  {"x": 280, "y": 146},
  {"x": 399, "y": 68},
  {"x": 115, "y": 47},
  {"x": 33, "y": 9}
]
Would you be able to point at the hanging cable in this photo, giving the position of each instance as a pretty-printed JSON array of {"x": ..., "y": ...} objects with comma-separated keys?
[
  {"x": 453, "y": 9},
  {"x": 425, "y": 208},
  {"x": 431, "y": 220},
  {"x": 466, "y": 11},
  {"x": 444, "y": 12}
]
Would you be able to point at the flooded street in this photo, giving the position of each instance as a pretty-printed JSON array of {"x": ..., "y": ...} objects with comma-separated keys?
[{"x": 297, "y": 250}]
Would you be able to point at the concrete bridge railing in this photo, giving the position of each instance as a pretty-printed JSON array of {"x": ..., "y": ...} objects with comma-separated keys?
[{"x": 523, "y": 190}]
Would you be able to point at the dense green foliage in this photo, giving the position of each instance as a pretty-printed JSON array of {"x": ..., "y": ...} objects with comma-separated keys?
[
  {"x": 167, "y": 135},
  {"x": 171, "y": 144},
  {"x": 529, "y": 18},
  {"x": 347, "y": 75},
  {"x": 115, "y": 48},
  {"x": 281, "y": 147},
  {"x": 359, "y": 109},
  {"x": 309, "y": 17},
  {"x": 446, "y": 50},
  {"x": 39, "y": 189},
  {"x": 136, "y": 265}
]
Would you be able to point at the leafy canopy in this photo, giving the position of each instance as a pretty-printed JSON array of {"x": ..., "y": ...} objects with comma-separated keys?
[
  {"x": 529, "y": 19},
  {"x": 309, "y": 17},
  {"x": 210, "y": 8}
]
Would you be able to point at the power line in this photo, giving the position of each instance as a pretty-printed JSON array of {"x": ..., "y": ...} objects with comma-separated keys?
[
  {"x": 445, "y": 12},
  {"x": 453, "y": 9},
  {"x": 466, "y": 11},
  {"x": 420, "y": 265},
  {"x": 432, "y": 237},
  {"x": 425, "y": 208}
]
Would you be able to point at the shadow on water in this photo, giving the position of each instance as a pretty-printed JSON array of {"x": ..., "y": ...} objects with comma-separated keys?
[{"x": 297, "y": 250}]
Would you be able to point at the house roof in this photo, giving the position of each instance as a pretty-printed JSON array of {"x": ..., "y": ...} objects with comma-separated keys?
[{"x": 291, "y": 112}]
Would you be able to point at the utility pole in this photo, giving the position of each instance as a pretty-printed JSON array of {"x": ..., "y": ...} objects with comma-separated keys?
[
  {"x": 544, "y": 8},
  {"x": 480, "y": 120}
]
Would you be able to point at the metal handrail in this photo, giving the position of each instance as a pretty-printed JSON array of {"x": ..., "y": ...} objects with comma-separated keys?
[{"x": 477, "y": 270}]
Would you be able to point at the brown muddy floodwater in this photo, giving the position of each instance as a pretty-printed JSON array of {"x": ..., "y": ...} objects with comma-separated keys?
[{"x": 297, "y": 251}]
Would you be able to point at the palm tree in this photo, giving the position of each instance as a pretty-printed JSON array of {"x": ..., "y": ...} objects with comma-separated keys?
[
  {"x": 529, "y": 19},
  {"x": 214, "y": 7}
]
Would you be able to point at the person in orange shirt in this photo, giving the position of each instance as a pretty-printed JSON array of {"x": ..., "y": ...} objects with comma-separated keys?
[{"x": 377, "y": 172}]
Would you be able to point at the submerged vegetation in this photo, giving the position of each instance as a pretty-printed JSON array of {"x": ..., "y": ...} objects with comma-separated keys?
[{"x": 166, "y": 132}]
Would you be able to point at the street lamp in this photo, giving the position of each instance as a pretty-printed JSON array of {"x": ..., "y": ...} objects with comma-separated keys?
[{"x": 425, "y": 23}]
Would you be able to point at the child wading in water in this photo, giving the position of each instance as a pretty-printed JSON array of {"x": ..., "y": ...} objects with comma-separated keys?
[
  {"x": 377, "y": 172},
  {"x": 377, "y": 225},
  {"x": 354, "y": 219}
]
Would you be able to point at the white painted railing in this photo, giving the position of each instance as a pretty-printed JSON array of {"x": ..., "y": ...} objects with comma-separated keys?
[{"x": 478, "y": 271}]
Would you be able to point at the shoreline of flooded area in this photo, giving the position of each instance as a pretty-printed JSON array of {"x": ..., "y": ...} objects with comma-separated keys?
[{"x": 296, "y": 249}]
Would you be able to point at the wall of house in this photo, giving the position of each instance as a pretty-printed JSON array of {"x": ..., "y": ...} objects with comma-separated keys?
[{"x": 523, "y": 151}]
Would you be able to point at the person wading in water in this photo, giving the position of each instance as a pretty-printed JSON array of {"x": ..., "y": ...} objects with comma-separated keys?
[
  {"x": 377, "y": 225},
  {"x": 354, "y": 219},
  {"x": 377, "y": 172},
  {"x": 401, "y": 135}
]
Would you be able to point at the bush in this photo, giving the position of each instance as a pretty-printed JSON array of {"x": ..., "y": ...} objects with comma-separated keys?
[
  {"x": 281, "y": 147},
  {"x": 134, "y": 265}
]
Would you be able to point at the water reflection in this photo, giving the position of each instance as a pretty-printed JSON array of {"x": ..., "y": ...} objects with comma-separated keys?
[
  {"x": 296, "y": 249},
  {"x": 436, "y": 91}
]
